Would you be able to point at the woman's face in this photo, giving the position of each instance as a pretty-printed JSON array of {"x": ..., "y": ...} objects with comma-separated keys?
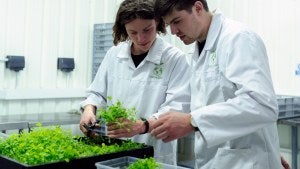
[{"x": 142, "y": 32}]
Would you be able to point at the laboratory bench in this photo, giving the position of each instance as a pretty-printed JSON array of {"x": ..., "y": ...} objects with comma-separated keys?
[
  {"x": 27, "y": 121},
  {"x": 289, "y": 114},
  {"x": 294, "y": 123}
]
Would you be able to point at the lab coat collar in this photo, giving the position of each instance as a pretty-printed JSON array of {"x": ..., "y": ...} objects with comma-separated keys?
[
  {"x": 125, "y": 52},
  {"x": 214, "y": 30},
  {"x": 154, "y": 54},
  {"x": 213, "y": 34}
]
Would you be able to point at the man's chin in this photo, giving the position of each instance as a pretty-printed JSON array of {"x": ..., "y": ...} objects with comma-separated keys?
[{"x": 187, "y": 42}]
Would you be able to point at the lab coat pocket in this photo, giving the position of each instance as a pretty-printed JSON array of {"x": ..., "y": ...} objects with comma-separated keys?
[
  {"x": 210, "y": 85},
  {"x": 211, "y": 74},
  {"x": 233, "y": 159},
  {"x": 153, "y": 92}
]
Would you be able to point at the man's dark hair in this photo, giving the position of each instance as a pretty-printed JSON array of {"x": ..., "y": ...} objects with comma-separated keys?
[
  {"x": 130, "y": 10},
  {"x": 165, "y": 7}
]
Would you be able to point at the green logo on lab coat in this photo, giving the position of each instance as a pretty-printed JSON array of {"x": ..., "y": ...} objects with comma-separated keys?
[
  {"x": 212, "y": 58},
  {"x": 157, "y": 71}
]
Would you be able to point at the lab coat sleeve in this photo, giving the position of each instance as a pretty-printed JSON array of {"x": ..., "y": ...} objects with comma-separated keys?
[
  {"x": 254, "y": 105},
  {"x": 178, "y": 91},
  {"x": 96, "y": 92}
]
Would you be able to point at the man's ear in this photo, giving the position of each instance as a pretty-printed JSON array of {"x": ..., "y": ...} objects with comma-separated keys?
[{"x": 198, "y": 6}]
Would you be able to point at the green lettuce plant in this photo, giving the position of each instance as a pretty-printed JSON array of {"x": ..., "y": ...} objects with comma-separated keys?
[
  {"x": 147, "y": 163},
  {"x": 115, "y": 112},
  {"x": 52, "y": 144}
]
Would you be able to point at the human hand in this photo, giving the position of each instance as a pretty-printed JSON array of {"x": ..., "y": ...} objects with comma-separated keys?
[
  {"x": 284, "y": 163},
  {"x": 171, "y": 126},
  {"x": 125, "y": 128},
  {"x": 88, "y": 117}
]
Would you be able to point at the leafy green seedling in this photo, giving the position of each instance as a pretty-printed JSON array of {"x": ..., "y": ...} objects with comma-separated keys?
[
  {"x": 52, "y": 144},
  {"x": 147, "y": 163},
  {"x": 115, "y": 112}
]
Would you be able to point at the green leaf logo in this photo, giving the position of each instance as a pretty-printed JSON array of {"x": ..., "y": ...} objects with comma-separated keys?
[
  {"x": 157, "y": 71},
  {"x": 212, "y": 58}
]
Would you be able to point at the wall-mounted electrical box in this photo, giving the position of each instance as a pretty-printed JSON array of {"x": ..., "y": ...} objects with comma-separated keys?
[
  {"x": 65, "y": 64},
  {"x": 15, "y": 63}
]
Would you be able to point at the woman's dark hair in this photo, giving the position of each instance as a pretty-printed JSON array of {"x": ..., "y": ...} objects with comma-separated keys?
[
  {"x": 165, "y": 7},
  {"x": 130, "y": 10}
]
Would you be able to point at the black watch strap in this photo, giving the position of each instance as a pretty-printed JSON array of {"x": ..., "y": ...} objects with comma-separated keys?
[{"x": 146, "y": 125}]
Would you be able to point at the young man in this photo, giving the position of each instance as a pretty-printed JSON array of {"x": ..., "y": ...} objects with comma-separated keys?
[{"x": 233, "y": 104}]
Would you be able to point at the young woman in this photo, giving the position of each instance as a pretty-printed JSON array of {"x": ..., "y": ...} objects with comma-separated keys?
[{"x": 141, "y": 71}]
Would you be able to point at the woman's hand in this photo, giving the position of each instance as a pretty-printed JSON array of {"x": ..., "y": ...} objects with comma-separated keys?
[
  {"x": 88, "y": 117},
  {"x": 125, "y": 128}
]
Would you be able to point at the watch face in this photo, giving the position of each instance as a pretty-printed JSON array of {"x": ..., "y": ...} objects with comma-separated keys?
[{"x": 193, "y": 123}]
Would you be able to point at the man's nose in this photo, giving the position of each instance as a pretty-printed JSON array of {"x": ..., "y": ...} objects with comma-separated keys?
[{"x": 174, "y": 30}]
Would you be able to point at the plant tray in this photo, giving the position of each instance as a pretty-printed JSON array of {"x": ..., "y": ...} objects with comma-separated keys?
[
  {"x": 124, "y": 162},
  {"x": 80, "y": 163}
]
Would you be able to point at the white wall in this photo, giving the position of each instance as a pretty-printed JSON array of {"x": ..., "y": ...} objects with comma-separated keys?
[
  {"x": 278, "y": 24},
  {"x": 44, "y": 30}
]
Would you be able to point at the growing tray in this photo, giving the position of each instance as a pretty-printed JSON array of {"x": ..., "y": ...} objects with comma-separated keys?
[
  {"x": 80, "y": 163},
  {"x": 124, "y": 162}
]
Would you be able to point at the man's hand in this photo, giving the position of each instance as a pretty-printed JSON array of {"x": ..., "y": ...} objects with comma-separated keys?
[
  {"x": 171, "y": 126},
  {"x": 284, "y": 163}
]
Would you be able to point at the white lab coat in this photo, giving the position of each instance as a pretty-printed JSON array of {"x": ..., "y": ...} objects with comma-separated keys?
[
  {"x": 233, "y": 101},
  {"x": 157, "y": 85}
]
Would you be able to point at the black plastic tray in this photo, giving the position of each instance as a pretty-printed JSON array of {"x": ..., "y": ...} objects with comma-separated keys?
[{"x": 80, "y": 163}]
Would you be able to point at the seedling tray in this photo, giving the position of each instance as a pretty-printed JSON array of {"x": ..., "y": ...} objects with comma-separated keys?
[
  {"x": 124, "y": 162},
  {"x": 80, "y": 163}
]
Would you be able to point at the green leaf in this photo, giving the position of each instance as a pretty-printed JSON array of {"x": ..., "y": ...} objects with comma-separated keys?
[{"x": 147, "y": 163}]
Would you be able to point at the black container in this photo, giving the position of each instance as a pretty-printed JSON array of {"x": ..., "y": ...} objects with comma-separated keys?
[{"x": 81, "y": 163}]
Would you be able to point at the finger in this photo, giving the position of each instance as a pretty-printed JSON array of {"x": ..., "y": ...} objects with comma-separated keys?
[
  {"x": 157, "y": 123},
  {"x": 163, "y": 115},
  {"x": 85, "y": 132},
  {"x": 119, "y": 135},
  {"x": 117, "y": 131},
  {"x": 82, "y": 128},
  {"x": 93, "y": 120},
  {"x": 128, "y": 126},
  {"x": 93, "y": 134},
  {"x": 115, "y": 135},
  {"x": 162, "y": 135},
  {"x": 112, "y": 127},
  {"x": 111, "y": 124},
  {"x": 156, "y": 131},
  {"x": 168, "y": 139}
]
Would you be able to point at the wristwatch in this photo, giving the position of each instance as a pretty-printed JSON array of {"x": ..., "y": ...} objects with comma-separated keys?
[
  {"x": 146, "y": 125},
  {"x": 193, "y": 123}
]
